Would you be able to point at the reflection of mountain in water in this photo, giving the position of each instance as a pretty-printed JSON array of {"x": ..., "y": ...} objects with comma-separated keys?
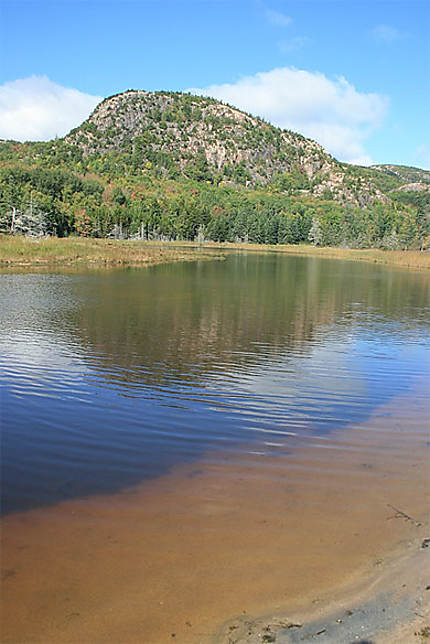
[
  {"x": 181, "y": 321},
  {"x": 112, "y": 377}
]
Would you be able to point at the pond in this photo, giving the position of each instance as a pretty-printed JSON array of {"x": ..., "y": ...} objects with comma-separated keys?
[
  {"x": 112, "y": 377},
  {"x": 186, "y": 443}
]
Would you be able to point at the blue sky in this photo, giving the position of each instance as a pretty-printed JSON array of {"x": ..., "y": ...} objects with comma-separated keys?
[{"x": 354, "y": 75}]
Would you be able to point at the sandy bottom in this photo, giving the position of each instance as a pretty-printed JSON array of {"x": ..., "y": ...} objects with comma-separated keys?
[
  {"x": 390, "y": 606},
  {"x": 179, "y": 558}
]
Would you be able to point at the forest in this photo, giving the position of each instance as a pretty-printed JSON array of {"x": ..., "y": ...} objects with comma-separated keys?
[{"x": 92, "y": 184}]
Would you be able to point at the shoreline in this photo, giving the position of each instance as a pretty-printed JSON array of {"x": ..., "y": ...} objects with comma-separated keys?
[
  {"x": 238, "y": 535},
  {"x": 406, "y": 259},
  {"x": 23, "y": 252},
  {"x": 387, "y": 605},
  {"x": 28, "y": 253}
]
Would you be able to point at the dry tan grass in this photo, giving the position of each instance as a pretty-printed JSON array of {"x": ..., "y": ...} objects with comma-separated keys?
[
  {"x": 405, "y": 258},
  {"x": 24, "y": 251}
]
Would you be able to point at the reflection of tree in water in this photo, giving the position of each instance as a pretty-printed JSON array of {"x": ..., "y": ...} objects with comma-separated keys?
[
  {"x": 124, "y": 341},
  {"x": 182, "y": 321}
]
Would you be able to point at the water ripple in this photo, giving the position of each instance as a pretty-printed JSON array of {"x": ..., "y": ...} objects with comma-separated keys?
[{"x": 97, "y": 395}]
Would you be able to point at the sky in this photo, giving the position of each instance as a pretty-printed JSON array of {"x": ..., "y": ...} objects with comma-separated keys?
[{"x": 350, "y": 74}]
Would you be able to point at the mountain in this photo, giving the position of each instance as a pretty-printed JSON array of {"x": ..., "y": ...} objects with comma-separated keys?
[
  {"x": 166, "y": 165},
  {"x": 404, "y": 173},
  {"x": 183, "y": 134}
]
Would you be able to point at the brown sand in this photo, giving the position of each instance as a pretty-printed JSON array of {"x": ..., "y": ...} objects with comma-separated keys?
[
  {"x": 389, "y": 606},
  {"x": 176, "y": 557}
]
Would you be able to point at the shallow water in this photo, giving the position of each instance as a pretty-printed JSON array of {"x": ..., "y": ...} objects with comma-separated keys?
[
  {"x": 186, "y": 444},
  {"x": 110, "y": 378}
]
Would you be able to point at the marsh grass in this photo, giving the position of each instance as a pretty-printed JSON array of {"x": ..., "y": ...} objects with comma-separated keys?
[
  {"x": 24, "y": 251},
  {"x": 414, "y": 259}
]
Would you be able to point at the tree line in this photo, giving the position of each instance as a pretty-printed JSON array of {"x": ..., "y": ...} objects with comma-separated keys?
[{"x": 40, "y": 200}]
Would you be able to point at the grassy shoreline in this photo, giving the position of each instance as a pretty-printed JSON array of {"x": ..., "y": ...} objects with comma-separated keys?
[
  {"x": 80, "y": 251},
  {"x": 23, "y": 251},
  {"x": 413, "y": 259}
]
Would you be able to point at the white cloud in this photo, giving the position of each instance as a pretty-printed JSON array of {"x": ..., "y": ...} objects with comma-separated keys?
[
  {"x": 277, "y": 18},
  {"x": 295, "y": 43},
  {"x": 331, "y": 112},
  {"x": 386, "y": 34},
  {"x": 36, "y": 109}
]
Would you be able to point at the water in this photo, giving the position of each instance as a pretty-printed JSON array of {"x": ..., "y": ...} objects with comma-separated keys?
[{"x": 110, "y": 378}]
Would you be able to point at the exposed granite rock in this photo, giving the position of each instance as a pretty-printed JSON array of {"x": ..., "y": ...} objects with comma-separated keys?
[{"x": 175, "y": 130}]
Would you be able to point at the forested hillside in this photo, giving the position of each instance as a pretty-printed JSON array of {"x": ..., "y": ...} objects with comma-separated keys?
[{"x": 177, "y": 166}]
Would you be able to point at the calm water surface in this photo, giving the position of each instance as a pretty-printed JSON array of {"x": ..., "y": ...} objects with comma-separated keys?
[{"x": 110, "y": 378}]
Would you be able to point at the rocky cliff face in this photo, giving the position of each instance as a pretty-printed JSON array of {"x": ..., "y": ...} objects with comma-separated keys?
[
  {"x": 186, "y": 134},
  {"x": 406, "y": 174}
]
